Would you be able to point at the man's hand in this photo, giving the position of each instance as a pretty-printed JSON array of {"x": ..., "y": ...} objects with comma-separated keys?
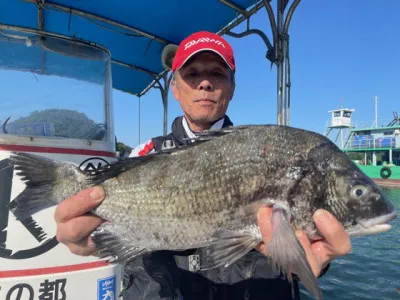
[
  {"x": 74, "y": 224},
  {"x": 335, "y": 241}
]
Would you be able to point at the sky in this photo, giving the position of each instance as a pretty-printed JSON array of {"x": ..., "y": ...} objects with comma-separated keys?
[{"x": 343, "y": 53}]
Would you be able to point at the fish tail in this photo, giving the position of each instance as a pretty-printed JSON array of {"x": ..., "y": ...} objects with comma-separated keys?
[{"x": 48, "y": 183}]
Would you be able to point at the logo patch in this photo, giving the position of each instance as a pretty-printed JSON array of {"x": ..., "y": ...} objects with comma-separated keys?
[
  {"x": 106, "y": 288},
  {"x": 93, "y": 164},
  {"x": 203, "y": 40},
  {"x": 194, "y": 263}
]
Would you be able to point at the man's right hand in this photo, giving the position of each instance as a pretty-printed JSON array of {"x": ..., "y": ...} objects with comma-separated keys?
[{"x": 75, "y": 224}]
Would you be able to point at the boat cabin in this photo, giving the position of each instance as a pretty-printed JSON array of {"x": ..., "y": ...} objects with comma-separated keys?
[{"x": 341, "y": 117}]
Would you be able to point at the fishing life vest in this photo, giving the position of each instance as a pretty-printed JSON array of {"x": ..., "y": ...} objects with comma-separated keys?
[{"x": 179, "y": 135}]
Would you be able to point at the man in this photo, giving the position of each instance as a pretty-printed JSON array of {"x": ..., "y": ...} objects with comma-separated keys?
[{"x": 204, "y": 83}]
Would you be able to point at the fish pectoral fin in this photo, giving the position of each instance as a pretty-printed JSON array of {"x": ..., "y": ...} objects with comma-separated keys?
[
  {"x": 113, "y": 241},
  {"x": 229, "y": 247},
  {"x": 287, "y": 253}
]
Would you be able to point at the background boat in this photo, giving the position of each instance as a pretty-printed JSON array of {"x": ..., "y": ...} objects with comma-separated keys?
[{"x": 373, "y": 146}]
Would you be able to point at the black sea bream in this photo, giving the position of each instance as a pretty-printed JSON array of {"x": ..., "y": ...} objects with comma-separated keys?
[{"x": 206, "y": 195}]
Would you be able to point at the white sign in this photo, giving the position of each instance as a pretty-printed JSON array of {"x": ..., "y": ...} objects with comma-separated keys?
[{"x": 33, "y": 265}]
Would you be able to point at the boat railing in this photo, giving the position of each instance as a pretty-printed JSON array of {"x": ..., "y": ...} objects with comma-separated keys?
[
  {"x": 370, "y": 124},
  {"x": 366, "y": 142}
]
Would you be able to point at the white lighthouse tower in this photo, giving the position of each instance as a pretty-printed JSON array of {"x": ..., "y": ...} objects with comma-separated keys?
[{"x": 340, "y": 123}]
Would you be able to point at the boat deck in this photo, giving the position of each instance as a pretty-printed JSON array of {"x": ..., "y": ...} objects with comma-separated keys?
[{"x": 387, "y": 182}]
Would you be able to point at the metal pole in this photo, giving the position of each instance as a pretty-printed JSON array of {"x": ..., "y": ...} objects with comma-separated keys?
[
  {"x": 84, "y": 14},
  {"x": 235, "y": 7},
  {"x": 285, "y": 78},
  {"x": 376, "y": 110},
  {"x": 165, "y": 104},
  {"x": 40, "y": 26},
  {"x": 281, "y": 44},
  {"x": 164, "y": 94},
  {"x": 40, "y": 15},
  {"x": 281, "y": 120},
  {"x": 139, "y": 118},
  {"x": 241, "y": 18},
  {"x": 342, "y": 139},
  {"x": 133, "y": 67}
]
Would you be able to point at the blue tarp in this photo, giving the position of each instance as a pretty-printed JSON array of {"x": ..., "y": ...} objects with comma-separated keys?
[{"x": 165, "y": 21}]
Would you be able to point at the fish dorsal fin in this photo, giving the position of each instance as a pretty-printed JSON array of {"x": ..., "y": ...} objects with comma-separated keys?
[
  {"x": 116, "y": 168},
  {"x": 211, "y": 134}
]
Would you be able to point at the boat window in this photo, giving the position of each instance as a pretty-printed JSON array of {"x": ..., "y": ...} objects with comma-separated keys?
[
  {"x": 55, "y": 88},
  {"x": 347, "y": 114},
  {"x": 336, "y": 114}
]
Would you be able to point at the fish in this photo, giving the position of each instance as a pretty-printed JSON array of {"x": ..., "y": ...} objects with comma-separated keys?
[{"x": 206, "y": 195}]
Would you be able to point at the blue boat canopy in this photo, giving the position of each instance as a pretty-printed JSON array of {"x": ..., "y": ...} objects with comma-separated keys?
[{"x": 134, "y": 32}]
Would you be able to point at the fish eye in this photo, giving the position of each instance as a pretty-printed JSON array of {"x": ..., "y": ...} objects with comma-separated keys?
[{"x": 358, "y": 191}]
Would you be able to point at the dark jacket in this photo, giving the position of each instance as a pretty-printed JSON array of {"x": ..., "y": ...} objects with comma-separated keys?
[
  {"x": 164, "y": 275},
  {"x": 170, "y": 275}
]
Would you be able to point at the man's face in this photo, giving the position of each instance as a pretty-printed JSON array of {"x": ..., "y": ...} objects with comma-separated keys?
[{"x": 204, "y": 86}]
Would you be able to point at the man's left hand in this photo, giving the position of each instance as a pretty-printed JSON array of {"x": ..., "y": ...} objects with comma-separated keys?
[{"x": 335, "y": 241}]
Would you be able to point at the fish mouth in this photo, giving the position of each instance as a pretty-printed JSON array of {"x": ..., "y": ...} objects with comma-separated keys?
[{"x": 372, "y": 226}]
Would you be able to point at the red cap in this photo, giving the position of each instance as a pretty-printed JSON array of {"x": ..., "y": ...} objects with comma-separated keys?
[{"x": 203, "y": 41}]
